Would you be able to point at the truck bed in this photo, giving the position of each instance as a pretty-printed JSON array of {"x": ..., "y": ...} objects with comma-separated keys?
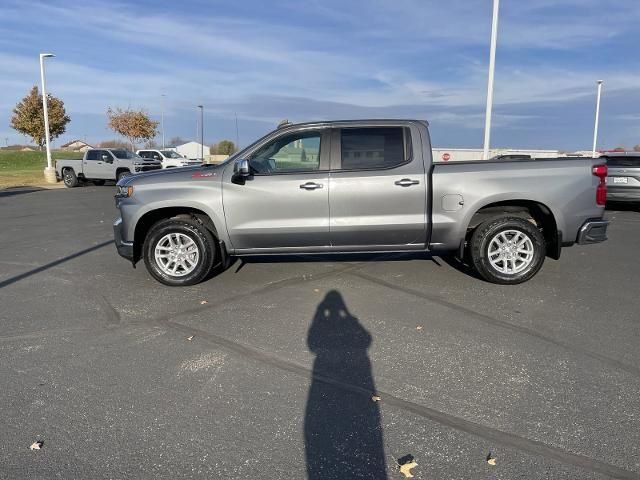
[{"x": 565, "y": 186}]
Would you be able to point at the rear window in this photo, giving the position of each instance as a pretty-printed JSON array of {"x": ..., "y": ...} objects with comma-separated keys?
[
  {"x": 623, "y": 161},
  {"x": 364, "y": 148}
]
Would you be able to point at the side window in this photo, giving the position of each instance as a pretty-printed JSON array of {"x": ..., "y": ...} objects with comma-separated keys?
[
  {"x": 105, "y": 152},
  {"x": 145, "y": 154},
  {"x": 297, "y": 152},
  {"x": 364, "y": 148},
  {"x": 92, "y": 155}
]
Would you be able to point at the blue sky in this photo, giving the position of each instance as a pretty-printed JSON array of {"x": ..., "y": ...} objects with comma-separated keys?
[{"x": 315, "y": 59}]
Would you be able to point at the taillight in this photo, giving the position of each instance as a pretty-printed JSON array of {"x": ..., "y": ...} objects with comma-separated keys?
[{"x": 600, "y": 171}]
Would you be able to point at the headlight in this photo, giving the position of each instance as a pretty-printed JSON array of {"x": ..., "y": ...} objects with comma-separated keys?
[{"x": 124, "y": 191}]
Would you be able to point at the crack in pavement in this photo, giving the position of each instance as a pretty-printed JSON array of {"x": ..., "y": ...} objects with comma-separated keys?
[
  {"x": 533, "y": 447},
  {"x": 499, "y": 323}
]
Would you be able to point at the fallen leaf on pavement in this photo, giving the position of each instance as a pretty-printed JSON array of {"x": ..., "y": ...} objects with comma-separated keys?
[
  {"x": 406, "y": 469},
  {"x": 419, "y": 327},
  {"x": 316, "y": 290},
  {"x": 203, "y": 302},
  {"x": 36, "y": 445},
  {"x": 490, "y": 459},
  {"x": 190, "y": 338},
  {"x": 375, "y": 398}
]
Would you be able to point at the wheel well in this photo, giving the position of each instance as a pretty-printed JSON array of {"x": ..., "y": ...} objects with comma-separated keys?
[
  {"x": 122, "y": 170},
  {"x": 535, "y": 212},
  {"x": 154, "y": 216}
]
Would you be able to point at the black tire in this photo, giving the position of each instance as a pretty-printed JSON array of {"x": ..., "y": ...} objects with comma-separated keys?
[
  {"x": 482, "y": 238},
  {"x": 122, "y": 173},
  {"x": 69, "y": 178},
  {"x": 189, "y": 227},
  {"x": 98, "y": 183}
]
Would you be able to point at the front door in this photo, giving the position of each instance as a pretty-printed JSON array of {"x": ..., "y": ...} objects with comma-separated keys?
[
  {"x": 284, "y": 204},
  {"x": 377, "y": 191}
]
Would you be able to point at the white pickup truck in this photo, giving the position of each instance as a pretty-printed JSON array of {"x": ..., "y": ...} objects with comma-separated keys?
[
  {"x": 169, "y": 158},
  {"x": 100, "y": 164}
]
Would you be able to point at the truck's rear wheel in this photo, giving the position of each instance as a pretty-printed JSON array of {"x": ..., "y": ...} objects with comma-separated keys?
[
  {"x": 179, "y": 251},
  {"x": 69, "y": 178},
  {"x": 507, "y": 250}
]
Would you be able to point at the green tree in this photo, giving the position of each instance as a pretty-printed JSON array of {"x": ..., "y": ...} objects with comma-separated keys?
[
  {"x": 28, "y": 117},
  {"x": 636, "y": 148},
  {"x": 225, "y": 147},
  {"x": 134, "y": 125}
]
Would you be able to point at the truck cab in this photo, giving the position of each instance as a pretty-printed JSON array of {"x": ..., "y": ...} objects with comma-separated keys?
[{"x": 169, "y": 158}]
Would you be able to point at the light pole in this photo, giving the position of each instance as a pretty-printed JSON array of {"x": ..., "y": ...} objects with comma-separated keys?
[
  {"x": 237, "y": 135},
  {"x": 595, "y": 128},
  {"x": 49, "y": 172},
  {"x": 162, "y": 117},
  {"x": 201, "y": 132},
  {"x": 492, "y": 67}
]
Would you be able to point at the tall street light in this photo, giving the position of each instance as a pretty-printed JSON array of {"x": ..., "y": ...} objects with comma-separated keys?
[
  {"x": 492, "y": 67},
  {"x": 162, "y": 118},
  {"x": 201, "y": 132},
  {"x": 595, "y": 128},
  {"x": 49, "y": 172}
]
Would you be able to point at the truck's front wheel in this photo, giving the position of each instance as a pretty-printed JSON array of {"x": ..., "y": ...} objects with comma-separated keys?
[
  {"x": 179, "y": 251},
  {"x": 507, "y": 250}
]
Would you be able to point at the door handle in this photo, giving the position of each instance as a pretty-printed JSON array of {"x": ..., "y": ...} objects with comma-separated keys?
[
  {"x": 311, "y": 185},
  {"x": 407, "y": 182}
]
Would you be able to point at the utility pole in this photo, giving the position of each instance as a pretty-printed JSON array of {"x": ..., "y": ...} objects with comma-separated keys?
[
  {"x": 492, "y": 67},
  {"x": 237, "y": 135},
  {"x": 201, "y": 131},
  {"x": 595, "y": 128},
  {"x": 162, "y": 117}
]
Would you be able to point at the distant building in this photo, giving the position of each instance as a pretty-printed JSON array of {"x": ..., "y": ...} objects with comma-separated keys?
[
  {"x": 76, "y": 146},
  {"x": 191, "y": 150},
  {"x": 466, "y": 154}
]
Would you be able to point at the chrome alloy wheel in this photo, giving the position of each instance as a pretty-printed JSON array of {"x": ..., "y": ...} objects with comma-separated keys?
[
  {"x": 177, "y": 254},
  {"x": 510, "y": 251}
]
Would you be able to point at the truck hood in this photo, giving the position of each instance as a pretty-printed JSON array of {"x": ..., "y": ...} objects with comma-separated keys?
[{"x": 169, "y": 174}]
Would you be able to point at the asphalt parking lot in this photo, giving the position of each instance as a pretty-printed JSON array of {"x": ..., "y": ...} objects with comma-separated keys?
[{"x": 274, "y": 376}]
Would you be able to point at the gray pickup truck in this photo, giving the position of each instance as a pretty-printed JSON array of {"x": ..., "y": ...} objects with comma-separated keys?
[
  {"x": 359, "y": 186},
  {"x": 99, "y": 165}
]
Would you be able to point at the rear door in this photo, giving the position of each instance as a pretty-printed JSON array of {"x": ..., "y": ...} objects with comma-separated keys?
[
  {"x": 284, "y": 204},
  {"x": 377, "y": 190}
]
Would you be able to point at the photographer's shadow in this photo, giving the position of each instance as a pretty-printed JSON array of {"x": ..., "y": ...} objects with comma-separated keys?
[{"x": 342, "y": 428}]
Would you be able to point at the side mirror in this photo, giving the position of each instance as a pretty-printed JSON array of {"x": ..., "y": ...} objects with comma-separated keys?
[
  {"x": 156, "y": 157},
  {"x": 107, "y": 158},
  {"x": 241, "y": 168}
]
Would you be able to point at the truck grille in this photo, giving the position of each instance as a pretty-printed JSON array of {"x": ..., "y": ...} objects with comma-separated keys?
[{"x": 147, "y": 168}]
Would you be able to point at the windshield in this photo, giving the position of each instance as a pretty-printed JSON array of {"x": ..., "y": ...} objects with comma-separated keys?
[
  {"x": 171, "y": 154},
  {"x": 124, "y": 154}
]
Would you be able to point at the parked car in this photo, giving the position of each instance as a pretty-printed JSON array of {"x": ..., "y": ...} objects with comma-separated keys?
[
  {"x": 623, "y": 179},
  {"x": 100, "y": 164},
  {"x": 169, "y": 158},
  {"x": 359, "y": 186}
]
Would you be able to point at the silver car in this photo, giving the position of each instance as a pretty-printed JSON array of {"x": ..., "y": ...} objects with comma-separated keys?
[{"x": 623, "y": 179}]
